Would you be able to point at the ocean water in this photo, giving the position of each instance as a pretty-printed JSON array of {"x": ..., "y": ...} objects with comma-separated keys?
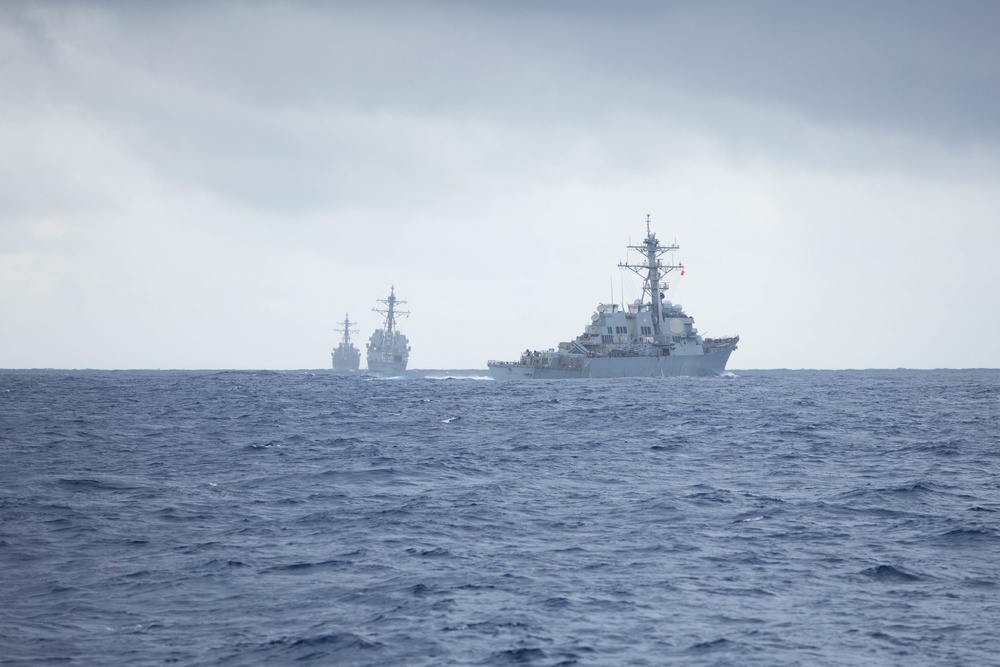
[{"x": 247, "y": 518}]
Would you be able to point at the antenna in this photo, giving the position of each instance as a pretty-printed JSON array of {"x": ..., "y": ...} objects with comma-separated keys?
[
  {"x": 654, "y": 269},
  {"x": 390, "y": 312}
]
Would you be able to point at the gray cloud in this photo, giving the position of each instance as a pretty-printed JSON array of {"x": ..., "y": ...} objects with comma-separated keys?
[{"x": 307, "y": 105}]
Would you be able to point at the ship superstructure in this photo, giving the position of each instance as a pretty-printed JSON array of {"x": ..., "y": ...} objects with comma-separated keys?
[
  {"x": 388, "y": 350},
  {"x": 346, "y": 357},
  {"x": 651, "y": 337}
]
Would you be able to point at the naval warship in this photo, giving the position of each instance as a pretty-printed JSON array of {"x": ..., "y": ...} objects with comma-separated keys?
[
  {"x": 388, "y": 350},
  {"x": 652, "y": 337},
  {"x": 345, "y": 356}
]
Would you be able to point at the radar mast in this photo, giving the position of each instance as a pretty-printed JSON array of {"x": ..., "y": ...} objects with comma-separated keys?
[
  {"x": 390, "y": 311},
  {"x": 347, "y": 330},
  {"x": 654, "y": 270}
]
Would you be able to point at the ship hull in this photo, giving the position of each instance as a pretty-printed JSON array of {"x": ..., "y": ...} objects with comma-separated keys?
[
  {"x": 346, "y": 366},
  {"x": 710, "y": 364},
  {"x": 392, "y": 367},
  {"x": 345, "y": 361}
]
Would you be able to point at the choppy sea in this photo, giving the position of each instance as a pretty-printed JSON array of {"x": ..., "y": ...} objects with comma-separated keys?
[{"x": 248, "y": 518}]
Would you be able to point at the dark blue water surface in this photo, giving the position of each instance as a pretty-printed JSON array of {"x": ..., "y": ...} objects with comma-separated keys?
[{"x": 245, "y": 518}]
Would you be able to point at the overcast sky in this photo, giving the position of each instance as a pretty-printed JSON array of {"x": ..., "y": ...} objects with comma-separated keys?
[{"x": 215, "y": 184}]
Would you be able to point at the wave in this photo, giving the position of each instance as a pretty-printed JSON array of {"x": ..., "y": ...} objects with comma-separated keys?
[
  {"x": 604, "y": 522},
  {"x": 889, "y": 573}
]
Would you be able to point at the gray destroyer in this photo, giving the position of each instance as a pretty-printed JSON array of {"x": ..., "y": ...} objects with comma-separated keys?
[
  {"x": 652, "y": 337},
  {"x": 388, "y": 350},
  {"x": 345, "y": 356}
]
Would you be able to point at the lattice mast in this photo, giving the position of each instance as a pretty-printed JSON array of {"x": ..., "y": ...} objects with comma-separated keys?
[
  {"x": 347, "y": 330},
  {"x": 390, "y": 311},
  {"x": 655, "y": 270}
]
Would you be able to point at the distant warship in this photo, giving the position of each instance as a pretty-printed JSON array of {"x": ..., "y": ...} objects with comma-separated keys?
[
  {"x": 345, "y": 356},
  {"x": 652, "y": 337},
  {"x": 388, "y": 350}
]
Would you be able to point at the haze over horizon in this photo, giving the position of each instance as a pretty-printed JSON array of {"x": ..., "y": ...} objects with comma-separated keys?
[{"x": 214, "y": 185}]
